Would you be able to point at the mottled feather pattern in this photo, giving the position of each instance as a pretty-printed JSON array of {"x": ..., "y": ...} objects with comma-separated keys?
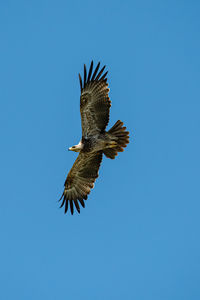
[
  {"x": 121, "y": 137},
  {"x": 80, "y": 180},
  {"x": 94, "y": 102}
]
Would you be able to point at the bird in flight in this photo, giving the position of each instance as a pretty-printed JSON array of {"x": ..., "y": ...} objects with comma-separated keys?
[{"x": 94, "y": 108}]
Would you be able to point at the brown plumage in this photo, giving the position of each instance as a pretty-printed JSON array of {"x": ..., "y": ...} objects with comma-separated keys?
[{"x": 94, "y": 108}]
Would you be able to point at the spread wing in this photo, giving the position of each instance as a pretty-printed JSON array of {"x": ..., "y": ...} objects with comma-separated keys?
[
  {"x": 94, "y": 102},
  {"x": 80, "y": 180}
]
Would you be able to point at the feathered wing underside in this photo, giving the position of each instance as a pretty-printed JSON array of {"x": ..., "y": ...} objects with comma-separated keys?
[
  {"x": 80, "y": 180},
  {"x": 94, "y": 102}
]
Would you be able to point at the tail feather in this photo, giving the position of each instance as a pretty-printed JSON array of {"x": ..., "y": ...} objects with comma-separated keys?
[{"x": 120, "y": 136}]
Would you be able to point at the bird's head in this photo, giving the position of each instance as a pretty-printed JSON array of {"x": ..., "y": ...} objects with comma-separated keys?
[{"x": 76, "y": 148}]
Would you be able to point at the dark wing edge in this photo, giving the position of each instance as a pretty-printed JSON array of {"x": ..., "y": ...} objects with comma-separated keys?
[
  {"x": 80, "y": 180},
  {"x": 95, "y": 77}
]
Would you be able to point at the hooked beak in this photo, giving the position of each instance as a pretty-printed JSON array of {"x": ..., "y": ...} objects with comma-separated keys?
[{"x": 74, "y": 148}]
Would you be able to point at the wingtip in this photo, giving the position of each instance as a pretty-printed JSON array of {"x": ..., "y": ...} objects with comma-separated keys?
[
  {"x": 66, "y": 205},
  {"x": 71, "y": 207},
  {"x": 95, "y": 71},
  {"x": 104, "y": 76},
  {"x": 100, "y": 73},
  {"x": 80, "y": 80},
  {"x": 90, "y": 71},
  {"x": 98, "y": 65},
  {"x": 85, "y": 75},
  {"x": 61, "y": 197},
  {"x": 85, "y": 70}
]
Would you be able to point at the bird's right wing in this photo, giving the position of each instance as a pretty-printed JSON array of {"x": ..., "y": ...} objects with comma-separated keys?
[
  {"x": 94, "y": 102},
  {"x": 80, "y": 180}
]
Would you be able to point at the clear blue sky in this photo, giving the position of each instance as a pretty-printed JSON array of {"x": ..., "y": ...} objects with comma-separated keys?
[{"x": 138, "y": 237}]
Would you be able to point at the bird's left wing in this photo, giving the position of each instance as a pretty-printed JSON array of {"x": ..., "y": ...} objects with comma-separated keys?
[{"x": 80, "y": 180}]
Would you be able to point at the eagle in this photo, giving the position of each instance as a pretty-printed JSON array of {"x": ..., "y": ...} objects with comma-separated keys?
[{"x": 96, "y": 141}]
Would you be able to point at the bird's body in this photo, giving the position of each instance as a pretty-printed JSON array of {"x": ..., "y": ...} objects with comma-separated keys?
[
  {"x": 94, "y": 108},
  {"x": 95, "y": 143}
]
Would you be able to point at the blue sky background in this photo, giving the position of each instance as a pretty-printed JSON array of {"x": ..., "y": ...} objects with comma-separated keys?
[{"x": 138, "y": 237}]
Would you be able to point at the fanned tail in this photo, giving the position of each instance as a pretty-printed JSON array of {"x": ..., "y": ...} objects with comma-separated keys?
[{"x": 121, "y": 137}]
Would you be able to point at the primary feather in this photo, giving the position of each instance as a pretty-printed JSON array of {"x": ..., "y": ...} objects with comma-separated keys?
[
  {"x": 94, "y": 102},
  {"x": 81, "y": 179}
]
